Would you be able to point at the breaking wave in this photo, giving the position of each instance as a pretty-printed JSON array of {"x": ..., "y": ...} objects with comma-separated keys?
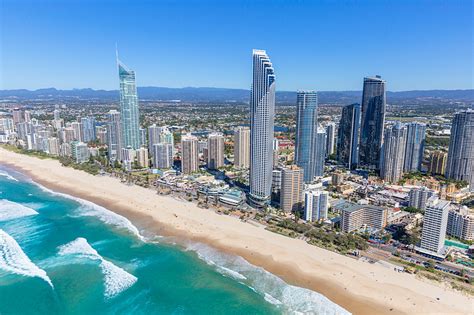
[
  {"x": 10, "y": 210},
  {"x": 14, "y": 260},
  {"x": 290, "y": 299},
  {"x": 116, "y": 279},
  {"x": 93, "y": 210}
]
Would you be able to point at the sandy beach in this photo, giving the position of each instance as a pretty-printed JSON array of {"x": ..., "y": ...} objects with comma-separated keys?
[{"x": 359, "y": 287}]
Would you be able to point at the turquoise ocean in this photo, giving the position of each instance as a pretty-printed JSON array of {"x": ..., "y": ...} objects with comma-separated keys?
[{"x": 63, "y": 255}]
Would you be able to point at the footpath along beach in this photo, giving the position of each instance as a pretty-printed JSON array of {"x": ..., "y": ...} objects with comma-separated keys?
[{"x": 359, "y": 287}]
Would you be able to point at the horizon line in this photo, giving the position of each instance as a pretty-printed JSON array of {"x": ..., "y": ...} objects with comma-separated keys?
[{"x": 226, "y": 88}]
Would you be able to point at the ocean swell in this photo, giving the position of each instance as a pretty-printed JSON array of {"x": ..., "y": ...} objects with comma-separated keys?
[
  {"x": 290, "y": 299},
  {"x": 116, "y": 279},
  {"x": 14, "y": 260},
  {"x": 91, "y": 209},
  {"x": 11, "y": 210}
]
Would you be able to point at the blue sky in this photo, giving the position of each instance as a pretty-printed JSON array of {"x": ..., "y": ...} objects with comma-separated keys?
[{"x": 321, "y": 45}]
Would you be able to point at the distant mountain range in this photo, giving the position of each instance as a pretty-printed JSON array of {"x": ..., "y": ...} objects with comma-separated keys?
[{"x": 206, "y": 94}]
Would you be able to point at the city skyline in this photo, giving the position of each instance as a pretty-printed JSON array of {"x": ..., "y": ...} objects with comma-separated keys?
[
  {"x": 237, "y": 197},
  {"x": 161, "y": 60}
]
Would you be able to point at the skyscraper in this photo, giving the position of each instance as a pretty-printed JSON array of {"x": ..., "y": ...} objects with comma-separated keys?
[
  {"x": 215, "y": 151},
  {"x": 416, "y": 133},
  {"x": 166, "y": 136},
  {"x": 291, "y": 193},
  {"x": 142, "y": 132},
  {"x": 348, "y": 136},
  {"x": 242, "y": 147},
  {"x": 77, "y": 126},
  {"x": 189, "y": 156},
  {"x": 460, "y": 164},
  {"x": 129, "y": 107},
  {"x": 394, "y": 145},
  {"x": 162, "y": 154},
  {"x": 114, "y": 136},
  {"x": 330, "y": 138},
  {"x": 434, "y": 226},
  {"x": 18, "y": 116},
  {"x": 153, "y": 136},
  {"x": 372, "y": 122},
  {"x": 306, "y": 128},
  {"x": 320, "y": 152},
  {"x": 262, "y": 112},
  {"x": 88, "y": 129}
]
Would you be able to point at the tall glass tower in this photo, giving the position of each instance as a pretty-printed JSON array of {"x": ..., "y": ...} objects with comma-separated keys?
[
  {"x": 306, "y": 128},
  {"x": 129, "y": 107},
  {"x": 320, "y": 152},
  {"x": 372, "y": 122},
  {"x": 395, "y": 139},
  {"x": 262, "y": 112},
  {"x": 348, "y": 136},
  {"x": 114, "y": 136},
  {"x": 416, "y": 133},
  {"x": 460, "y": 165}
]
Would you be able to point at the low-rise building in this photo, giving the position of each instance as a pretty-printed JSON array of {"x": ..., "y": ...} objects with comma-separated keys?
[{"x": 355, "y": 216}]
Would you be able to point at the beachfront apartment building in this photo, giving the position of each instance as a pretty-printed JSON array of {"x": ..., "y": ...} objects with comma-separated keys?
[
  {"x": 242, "y": 147},
  {"x": 142, "y": 157},
  {"x": 291, "y": 193},
  {"x": 435, "y": 222},
  {"x": 189, "y": 154},
  {"x": 215, "y": 150},
  {"x": 130, "y": 126},
  {"x": 316, "y": 204},
  {"x": 306, "y": 128},
  {"x": 461, "y": 223},
  {"x": 262, "y": 115},
  {"x": 79, "y": 151},
  {"x": 355, "y": 216},
  {"x": 162, "y": 155}
]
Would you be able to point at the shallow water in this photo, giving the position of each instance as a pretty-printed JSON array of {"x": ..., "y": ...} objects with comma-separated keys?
[{"x": 64, "y": 255}]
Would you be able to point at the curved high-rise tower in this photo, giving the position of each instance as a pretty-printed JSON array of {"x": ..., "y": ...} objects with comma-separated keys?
[
  {"x": 129, "y": 107},
  {"x": 262, "y": 112}
]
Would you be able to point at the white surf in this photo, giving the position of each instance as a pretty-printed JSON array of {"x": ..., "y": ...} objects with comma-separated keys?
[
  {"x": 116, "y": 279},
  {"x": 14, "y": 260}
]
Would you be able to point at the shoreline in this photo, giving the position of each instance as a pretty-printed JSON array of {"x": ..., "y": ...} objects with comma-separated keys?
[{"x": 379, "y": 290}]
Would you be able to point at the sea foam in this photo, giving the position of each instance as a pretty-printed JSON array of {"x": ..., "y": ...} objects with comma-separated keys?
[
  {"x": 91, "y": 209},
  {"x": 14, "y": 260},
  {"x": 289, "y": 299},
  {"x": 116, "y": 279},
  {"x": 11, "y": 210},
  {"x": 8, "y": 176}
]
